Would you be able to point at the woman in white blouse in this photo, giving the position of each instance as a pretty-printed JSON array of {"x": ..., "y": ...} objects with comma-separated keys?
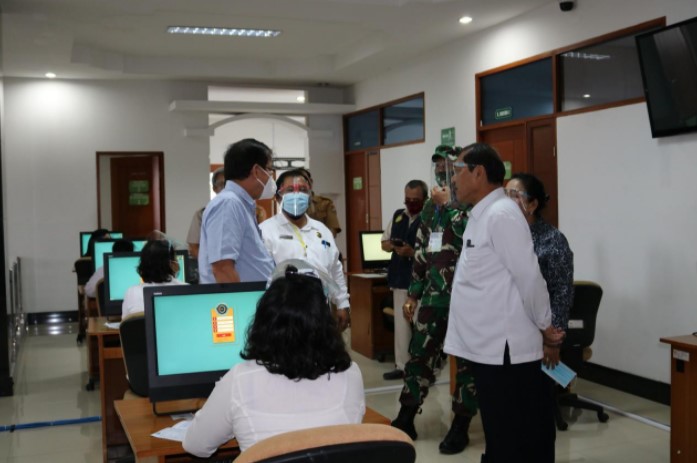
[
  {"x": 158, "y": 266},
  {"x": 297, "y": 373}
]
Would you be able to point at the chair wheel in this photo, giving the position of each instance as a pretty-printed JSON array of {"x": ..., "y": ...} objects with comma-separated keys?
[
  {"x": 381, "y": 357},
  {"x": 603, "y": 417},
  {"x": 89, "y": 386},
  {"x": 563, "y": 426}
]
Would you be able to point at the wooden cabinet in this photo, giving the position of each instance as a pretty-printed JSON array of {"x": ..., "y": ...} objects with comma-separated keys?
[
  {"x": 683, "y": 398},
  {"x": 369, "y": 336}
]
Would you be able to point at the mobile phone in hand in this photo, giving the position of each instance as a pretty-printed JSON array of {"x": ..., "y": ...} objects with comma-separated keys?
[{"x": 397, "y": 242}]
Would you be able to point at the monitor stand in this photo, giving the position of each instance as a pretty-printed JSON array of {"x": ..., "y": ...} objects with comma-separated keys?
[{"x": 174, "y": 407}]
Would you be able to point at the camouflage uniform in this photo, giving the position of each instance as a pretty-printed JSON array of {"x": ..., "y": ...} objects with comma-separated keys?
[
  {"x": 323, "y": 209},
  {"x": 432, "y": 276}
]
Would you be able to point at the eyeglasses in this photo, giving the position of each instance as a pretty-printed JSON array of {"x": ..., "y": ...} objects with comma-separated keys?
[
  {"x": 459, "y": 165},
  {"x": 516, "y": 194}
]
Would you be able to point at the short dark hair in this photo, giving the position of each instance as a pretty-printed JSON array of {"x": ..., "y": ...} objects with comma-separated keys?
[
  {"x": 535, "y": 190},
  {"x": 242, "y": 156},
  {"x": 290, "y": 173},
  {"x": 123, "y": 246},
  {"x": 155, "y": 262},
  {"x": 294, "y": 332},
  {"x": 220, "y": 171},
  {"x": 96, "y": 235},
  {"x": 484, "y": 155},
  {"x": 305, "y": 173},
  {"x": 413, "y": 184}
]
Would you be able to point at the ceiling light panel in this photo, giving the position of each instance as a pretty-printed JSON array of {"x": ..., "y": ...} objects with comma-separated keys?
[{"x": 223, "y": 31}]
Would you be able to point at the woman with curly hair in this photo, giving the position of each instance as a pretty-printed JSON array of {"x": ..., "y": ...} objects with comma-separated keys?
[{"x": 297, "y": 373}]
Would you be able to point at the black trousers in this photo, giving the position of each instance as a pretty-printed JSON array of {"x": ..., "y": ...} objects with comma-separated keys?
[{"x": 517, "y": 409}]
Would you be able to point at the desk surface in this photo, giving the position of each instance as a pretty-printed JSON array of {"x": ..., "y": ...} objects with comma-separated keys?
[
  {"x": 139, "y": 423},
  {"x": 688, "y": 341},
  {"x": 96, "y": 326}
]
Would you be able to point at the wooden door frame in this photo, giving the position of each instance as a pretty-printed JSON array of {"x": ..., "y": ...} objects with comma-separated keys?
[{"x": 160, "y": 173}]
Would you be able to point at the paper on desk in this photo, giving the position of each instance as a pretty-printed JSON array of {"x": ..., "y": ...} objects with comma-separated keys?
[
  {"x": 562, "y": 374},
  {"x": 113, "y": 325},
  {"x": 176, "y": 432}
]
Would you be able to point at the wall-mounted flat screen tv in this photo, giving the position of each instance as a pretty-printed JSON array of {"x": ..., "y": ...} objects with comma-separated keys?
[{"x": 668, "y": 61}]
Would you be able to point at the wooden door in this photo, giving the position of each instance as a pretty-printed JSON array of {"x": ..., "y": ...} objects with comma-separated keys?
[
  {"x": 363, "y": 200},
  {"x": 136, "y": 195},
  {"x": 530, "y": 147}
]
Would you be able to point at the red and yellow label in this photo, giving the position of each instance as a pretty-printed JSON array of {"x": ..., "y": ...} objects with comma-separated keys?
[{"x": 223, "y": 322}]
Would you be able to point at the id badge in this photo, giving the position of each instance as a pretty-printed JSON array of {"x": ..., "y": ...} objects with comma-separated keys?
[{"x": 435, "y": 243}]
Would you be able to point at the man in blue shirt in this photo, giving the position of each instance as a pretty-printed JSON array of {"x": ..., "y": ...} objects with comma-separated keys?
[{"x": 231, "y": 248}]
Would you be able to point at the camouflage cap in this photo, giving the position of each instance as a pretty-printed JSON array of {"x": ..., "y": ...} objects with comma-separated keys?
[{"x": 445, "y": 152}]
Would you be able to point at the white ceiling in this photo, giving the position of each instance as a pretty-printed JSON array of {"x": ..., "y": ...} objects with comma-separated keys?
[{"x": 338, "y": 42}]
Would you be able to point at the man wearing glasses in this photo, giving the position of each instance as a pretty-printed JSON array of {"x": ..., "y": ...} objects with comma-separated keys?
[
  {"x": 193, "y": 237},
  {"x": 292, "y": 234},
  {"x": 231, "y": 248},
  {"x": 500, "y": 315}
]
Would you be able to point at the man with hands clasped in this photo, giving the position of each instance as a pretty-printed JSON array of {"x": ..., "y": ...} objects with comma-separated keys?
[{"x": 291, "y": 234}]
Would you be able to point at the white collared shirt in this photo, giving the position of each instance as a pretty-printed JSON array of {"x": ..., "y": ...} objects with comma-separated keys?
[
  {"x": 313, "y": 243},
  {"x": 498, "y": 294}
]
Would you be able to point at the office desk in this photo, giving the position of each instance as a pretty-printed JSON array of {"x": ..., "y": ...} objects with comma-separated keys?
[
  {"x": 139, "y": 422},
  {"x": 368, "y": 334},
  {"x": 112, "y": 385},
  {"x": 683, "y": 401}
]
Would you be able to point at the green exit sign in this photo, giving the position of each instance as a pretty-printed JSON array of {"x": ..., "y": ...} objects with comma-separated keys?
[{"x": 503, "y": 113}]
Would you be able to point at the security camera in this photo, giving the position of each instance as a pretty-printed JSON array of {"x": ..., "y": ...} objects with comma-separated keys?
[{"x": 566, "y": 5}]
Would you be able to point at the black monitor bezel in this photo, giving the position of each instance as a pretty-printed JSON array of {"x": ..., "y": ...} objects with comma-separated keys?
[
  {"x": 113, "y": 308},
  {"x": 371, "y": 264},
  {"x": 190, "y": 385}
]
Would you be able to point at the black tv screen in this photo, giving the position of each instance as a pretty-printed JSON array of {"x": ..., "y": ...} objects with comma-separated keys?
[{"x": 668, "y": 61}]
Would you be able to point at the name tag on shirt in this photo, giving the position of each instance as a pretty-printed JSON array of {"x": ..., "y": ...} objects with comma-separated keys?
[
  {"x": 435, "y": 243},
  {"x": 286, "y": 237}
]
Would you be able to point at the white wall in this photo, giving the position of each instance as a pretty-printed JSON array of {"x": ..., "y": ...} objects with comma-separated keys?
[
  {"x": 626, "y": 202},
  {"x": 52, "y": 131}
]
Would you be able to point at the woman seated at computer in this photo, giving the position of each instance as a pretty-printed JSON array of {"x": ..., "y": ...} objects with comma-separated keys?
[
  {"x": 297, "y": 373},
  {"x": 158, "y": 266},
  {"x": 553, "y": 253}
]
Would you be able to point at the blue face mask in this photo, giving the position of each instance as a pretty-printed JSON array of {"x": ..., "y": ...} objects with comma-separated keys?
[{"x": 295, "y": 203}]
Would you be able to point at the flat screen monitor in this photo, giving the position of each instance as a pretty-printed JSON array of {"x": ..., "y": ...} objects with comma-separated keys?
[
  {"x": 195, "y": 334},
  {"x": 372, "y": 255},
  {"x": 668, "y": 62},
  {"x": 121, "y": 272},
  {"x": 85, "y": 240},
  {"x": 101, "y": 247}
]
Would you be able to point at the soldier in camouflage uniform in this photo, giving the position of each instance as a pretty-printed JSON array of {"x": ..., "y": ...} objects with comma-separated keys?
[{"x": 432, "y": 275}]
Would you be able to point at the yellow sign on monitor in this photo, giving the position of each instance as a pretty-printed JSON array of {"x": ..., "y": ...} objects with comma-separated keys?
[{"x": 223, "y": 322}]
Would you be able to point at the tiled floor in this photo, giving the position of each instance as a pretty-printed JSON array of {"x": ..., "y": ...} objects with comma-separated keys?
[{"x": 51, "y": 374}]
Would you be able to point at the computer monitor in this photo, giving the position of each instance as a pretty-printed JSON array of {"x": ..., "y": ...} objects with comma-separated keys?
[
  {"x": 85, "y": 240},
  {"x": 121, "y": 272},
  {"x": 103, "y": 246},
  {"x": 372, "y": 255},
  {"x": 194, "y": 335}
]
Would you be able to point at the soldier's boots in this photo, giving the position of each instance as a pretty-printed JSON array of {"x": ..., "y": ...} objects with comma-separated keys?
[
  {"x": 457, "y": 438},
  {"x": 405, "y": 420}
]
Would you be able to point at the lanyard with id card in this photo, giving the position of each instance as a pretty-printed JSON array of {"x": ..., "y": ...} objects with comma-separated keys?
[{"x": 435, "y": 242}]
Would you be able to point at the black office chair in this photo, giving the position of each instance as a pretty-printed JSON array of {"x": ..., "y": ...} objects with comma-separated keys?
[
  {"x": 83, "y": 271},
  {"x": 101, "y": 298},
  {"x": 347, "y": 443},
  {"x": 132, "y": 331},
  {"x": 575, "y": 350}
]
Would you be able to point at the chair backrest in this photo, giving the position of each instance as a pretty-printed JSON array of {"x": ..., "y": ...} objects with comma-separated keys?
[
  {"x": 584, "y": 310},
  {"x": 83, "y": 269},
  {"x": 347, "y": 443},
  {"x": 132, "y": 331},
  {"x": 100, "y": 297}
]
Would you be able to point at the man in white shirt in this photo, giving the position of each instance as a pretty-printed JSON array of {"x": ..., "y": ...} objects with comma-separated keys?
[
  {"x": 500, "y": 315},
  {"x": 291, "y": 234},
  {"x": 193, "y": 237}
]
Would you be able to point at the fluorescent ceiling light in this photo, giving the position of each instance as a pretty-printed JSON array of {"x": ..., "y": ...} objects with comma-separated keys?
[
  {"x": 50, "y": 75},
  {"x": 465, "y": 20},
  {"x": 223, "y": 31},
  {"x": 300, "y": 99},
  {"x": 587, "y": 95}
]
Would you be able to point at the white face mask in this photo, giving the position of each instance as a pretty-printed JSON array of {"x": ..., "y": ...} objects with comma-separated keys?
[{"x": 269, "y": 187}]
